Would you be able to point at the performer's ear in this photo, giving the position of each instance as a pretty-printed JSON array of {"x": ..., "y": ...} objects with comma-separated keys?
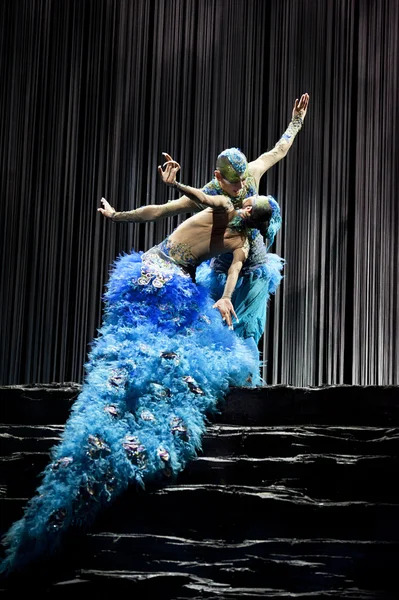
[{"x": 218, "y": 175}]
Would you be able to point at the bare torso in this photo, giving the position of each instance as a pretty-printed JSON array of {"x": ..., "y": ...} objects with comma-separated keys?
[{"x": 206, "y": 234}]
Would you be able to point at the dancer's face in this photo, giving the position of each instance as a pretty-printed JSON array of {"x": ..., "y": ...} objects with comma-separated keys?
[
  {"x": 257, "y": 211},
  {"x": 246, "y": 211},
  {"x": 232, "y": 189}
]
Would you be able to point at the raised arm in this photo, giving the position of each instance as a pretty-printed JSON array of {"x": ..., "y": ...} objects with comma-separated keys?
[
  {"x": 266, "y": 160},
  {"x": 168, "y": 174}
]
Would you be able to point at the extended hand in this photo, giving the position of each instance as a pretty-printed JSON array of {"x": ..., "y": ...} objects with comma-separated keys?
[
  {"x": 107, "y": 211},
  {"x": 300, "y": 107},
  {"x": 168, "y": 170},
  {"x": 226, "y": 309}
]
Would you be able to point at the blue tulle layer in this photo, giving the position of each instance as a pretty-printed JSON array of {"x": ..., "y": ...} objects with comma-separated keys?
[{"x": 162, "y": 362}]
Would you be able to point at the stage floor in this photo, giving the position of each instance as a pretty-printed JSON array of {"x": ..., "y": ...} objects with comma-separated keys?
[{"x": 293, "y": 495}]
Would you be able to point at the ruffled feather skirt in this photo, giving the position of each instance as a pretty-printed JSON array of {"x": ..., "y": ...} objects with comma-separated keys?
[{"x": 161, "y": 365}]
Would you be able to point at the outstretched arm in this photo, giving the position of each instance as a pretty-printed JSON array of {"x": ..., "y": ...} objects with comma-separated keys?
[
  {"x": 266, "y": 160},
  {"x": 152, "y": 212}
]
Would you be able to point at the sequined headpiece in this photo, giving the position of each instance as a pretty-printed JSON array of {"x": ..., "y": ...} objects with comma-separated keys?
[
  {"x": 232, "y": 164},
  {"x": 261, "y": 202},
  {"x": 262, "y": 211}
]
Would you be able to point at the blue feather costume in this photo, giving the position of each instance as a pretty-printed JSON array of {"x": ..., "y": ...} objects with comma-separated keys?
[{"x": 162, "y": 362}]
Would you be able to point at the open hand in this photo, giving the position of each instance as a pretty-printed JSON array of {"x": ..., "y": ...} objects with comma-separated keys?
[
  {"x": 107, "y": 209},
  {"x": 226, "y": 309},
  {"x": 168, "y": 170},
  {"x": 300, "y": 106}
]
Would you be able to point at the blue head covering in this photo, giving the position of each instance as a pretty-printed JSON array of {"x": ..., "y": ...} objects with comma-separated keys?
[{"x": 232, "y": 164}]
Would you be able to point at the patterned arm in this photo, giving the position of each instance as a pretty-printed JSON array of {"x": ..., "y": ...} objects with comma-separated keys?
[{"x": 266, "y": 160}]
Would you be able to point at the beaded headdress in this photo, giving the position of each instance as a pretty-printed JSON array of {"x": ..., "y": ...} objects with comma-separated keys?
[{"x": 232, "y": 164}]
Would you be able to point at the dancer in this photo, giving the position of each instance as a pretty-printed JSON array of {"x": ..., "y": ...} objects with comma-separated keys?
[
  {"x": 161, "y": 364},
  {"x": 237, "y": 179}
]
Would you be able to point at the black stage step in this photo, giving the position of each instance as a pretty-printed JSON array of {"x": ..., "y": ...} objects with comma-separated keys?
[{"x": 294, "y": 495}]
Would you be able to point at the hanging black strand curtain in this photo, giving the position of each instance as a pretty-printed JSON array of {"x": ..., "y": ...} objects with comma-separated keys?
[{"x": 93, "y": 91}]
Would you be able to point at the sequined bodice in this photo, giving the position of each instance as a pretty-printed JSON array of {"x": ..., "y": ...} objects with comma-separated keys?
[
  {"x": 257, "y": 256},
  {"x": 180, "y": 253}
]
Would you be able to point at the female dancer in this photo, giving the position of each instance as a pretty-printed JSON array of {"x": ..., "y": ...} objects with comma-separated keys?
[{"x": 162, "y": 362}]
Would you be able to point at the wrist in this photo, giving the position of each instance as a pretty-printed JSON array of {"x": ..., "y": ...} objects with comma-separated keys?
[
  {"x": 180, "y": 187},
  {"x": 297, "y": 121}
]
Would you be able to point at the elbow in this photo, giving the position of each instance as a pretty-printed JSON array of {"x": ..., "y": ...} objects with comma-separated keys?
[
  {"x": 157, "y": 212},
  {"x": 283, "y": 150},
  {"x": 235, "y": 269}
]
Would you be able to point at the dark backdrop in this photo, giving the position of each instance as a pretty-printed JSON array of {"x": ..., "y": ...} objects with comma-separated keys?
[{"x": 93, "y": 91}]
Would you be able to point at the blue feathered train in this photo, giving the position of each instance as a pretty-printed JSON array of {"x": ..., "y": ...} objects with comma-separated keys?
[{"x": 162, "y": 362}]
